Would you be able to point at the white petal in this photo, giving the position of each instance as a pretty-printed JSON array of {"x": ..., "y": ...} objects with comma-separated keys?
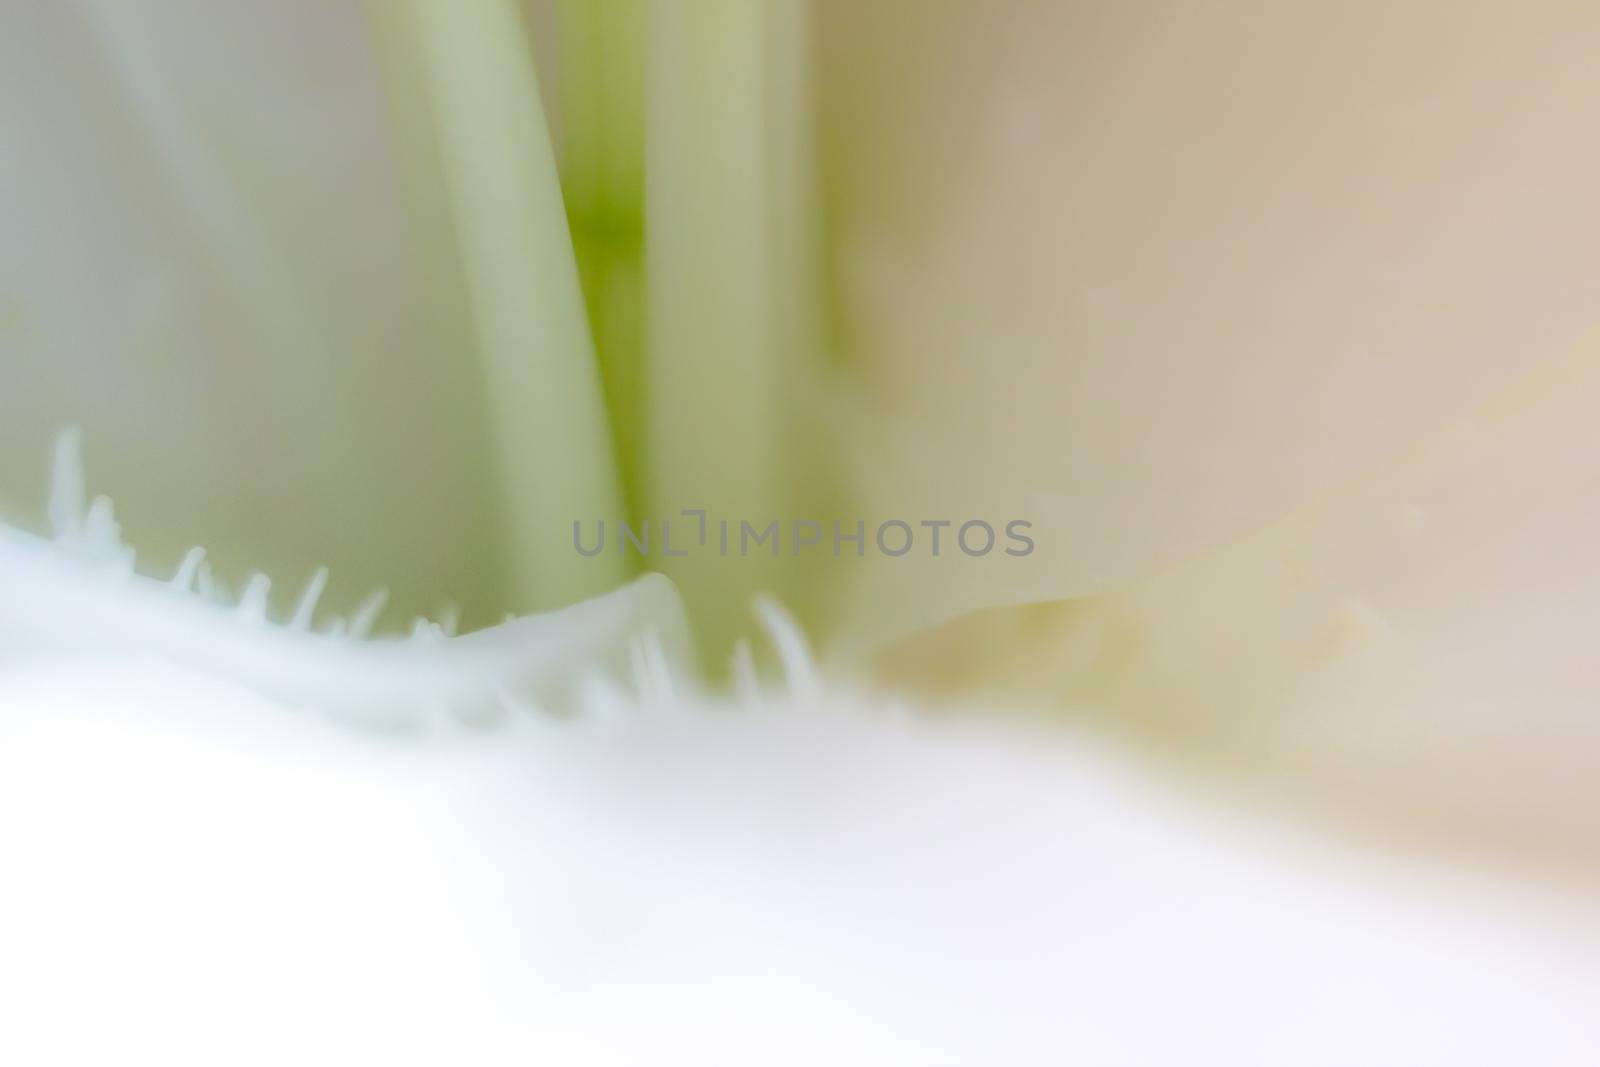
[{"x": 193, "y": 871}]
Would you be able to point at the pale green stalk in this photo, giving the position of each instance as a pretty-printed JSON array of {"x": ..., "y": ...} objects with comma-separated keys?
[
  {"x": 715, "y": 385},
  {"x": 548, "y": 419},
  {"x": 808, "y": 452},
  {"x": 604, "y": 56},
  {"x": 448, "y": 314}
]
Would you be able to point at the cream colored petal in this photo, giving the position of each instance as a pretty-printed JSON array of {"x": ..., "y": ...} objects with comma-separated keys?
[
  {"x": 1415, "y": 650},
  {"x": 1153, "y": 275}
]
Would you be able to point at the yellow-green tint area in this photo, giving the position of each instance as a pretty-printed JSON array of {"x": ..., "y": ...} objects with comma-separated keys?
[
  {"x": 714, "y": 427},
  {"x": 647, "y": 326},
  {"x": 448, "y": 310},
  {"x": 546, "y": 414},
  {"x": 604, "y": 59},
  {"x": 810, "y": 459}
]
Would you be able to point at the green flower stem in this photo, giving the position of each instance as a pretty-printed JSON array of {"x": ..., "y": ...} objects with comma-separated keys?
[{"x": 553, "y": 444}]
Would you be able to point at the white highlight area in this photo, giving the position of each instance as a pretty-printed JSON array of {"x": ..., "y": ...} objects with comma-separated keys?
[{"x": 191, "y": 875}]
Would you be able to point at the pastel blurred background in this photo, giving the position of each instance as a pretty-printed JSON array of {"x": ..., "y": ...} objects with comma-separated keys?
[{"x": 1276, "y": 322}]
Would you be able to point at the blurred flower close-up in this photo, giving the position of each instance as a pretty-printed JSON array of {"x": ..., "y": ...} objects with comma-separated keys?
[{"x": 924, "y": 532}]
